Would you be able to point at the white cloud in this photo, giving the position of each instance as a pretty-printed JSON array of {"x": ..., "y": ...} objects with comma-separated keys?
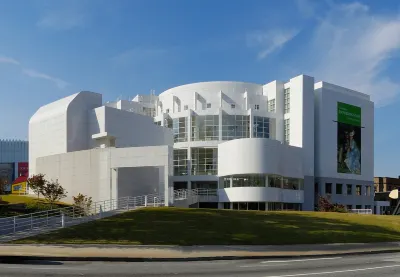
[
  {"x": 9, "y": 60},
  {"x": 270, "y": 41},
  {"x": 351, "y": 47},
  {"x": 35, "y": 74},
  {"x": 61, "y": 20}
]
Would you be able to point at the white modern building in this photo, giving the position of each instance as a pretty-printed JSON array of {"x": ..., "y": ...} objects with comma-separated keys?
[{"x": 260, "y": 147}]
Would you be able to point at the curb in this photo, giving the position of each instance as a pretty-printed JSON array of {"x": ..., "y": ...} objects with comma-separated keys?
[{"x": 20, "y": 259}]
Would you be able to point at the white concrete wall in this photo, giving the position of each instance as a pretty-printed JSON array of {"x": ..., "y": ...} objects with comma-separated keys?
[
  {"x": 90, "y": 171},
  {"x": 60, "y": 126},
  {"x": 260, "y": 194},
  {"x": 327, "y": 96},
  {"x": 130, "y": 129},
  {"x": 259, "y": 156},
  {"x": 209, "y": 92},
  {"x": 302, "y": 119}
]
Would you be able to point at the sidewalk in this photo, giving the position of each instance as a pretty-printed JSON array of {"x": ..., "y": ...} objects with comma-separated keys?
[{"x": 177, "y": 253}]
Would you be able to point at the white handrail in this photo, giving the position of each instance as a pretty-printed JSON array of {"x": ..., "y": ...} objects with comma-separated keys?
[{"x": 48, "y": 220}]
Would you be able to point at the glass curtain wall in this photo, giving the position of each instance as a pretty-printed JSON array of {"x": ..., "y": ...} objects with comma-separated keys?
[
  {"x": 204, "y": 161},
  {"x": 180, "y": 162},
  {"x": 179, "y": 126},
  {"x": 235, "y": 126},
  {"x": 261, "y": 127},
  {"x": 205, "y": 127}
]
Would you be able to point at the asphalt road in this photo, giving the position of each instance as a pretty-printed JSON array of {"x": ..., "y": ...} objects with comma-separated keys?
[{"x": 385, "y": 265}]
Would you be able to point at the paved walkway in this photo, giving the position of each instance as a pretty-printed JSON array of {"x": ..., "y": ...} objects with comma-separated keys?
[{"x": 120, "y": 252}]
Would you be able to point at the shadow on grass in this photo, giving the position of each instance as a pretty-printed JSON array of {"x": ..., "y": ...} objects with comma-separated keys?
[{"x": 172, "y": 226}]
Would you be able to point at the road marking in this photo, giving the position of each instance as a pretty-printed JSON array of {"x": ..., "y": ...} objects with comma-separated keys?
[
  {"x": 303, "y": 260},
  {"x": 334, "y": 272},
  {"x": 260, "y": 265}
]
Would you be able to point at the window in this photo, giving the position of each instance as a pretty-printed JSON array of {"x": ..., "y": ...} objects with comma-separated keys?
[
  {"x": 292, "y": 183},
  {"x": 179, "y": 126},
  {"x": 157, "y": 123},
  {"x": 227, "y": 182},
  {"x": 358, "y": 189},
  {"x": 233, "y": 106},
  {"x": 349, "y": 207},
  {"x": 180, "y": 162},
  {"x": 204, "y": 161},
  {"x": 368, "y": 190},
  {"x": 287, "y": 130},
  {"x": 168, "y": 123},
  {"x": 256, "y": 107},
  {"x": 349, "y": 189},
  {"x": 205, "y": 127},
  {"x": 208, "y": 105},
  {"x": 185, "y": 107},
  {"x": 271, "y": 105},
  {"x": 368, "y": 207},
  {"x": 274, "y": 181},
  {"x": 248, "y": 181},
  {"x": 286, "y": 100},
  {"x": 261, "y": 127},
  {"x": 167, "y": 110},
  {"x": 235, "y": 126},
  {"x": 328, "y": 188},
  {"x": 339, "y": 189},
  {"x": 358, "y": 207}
]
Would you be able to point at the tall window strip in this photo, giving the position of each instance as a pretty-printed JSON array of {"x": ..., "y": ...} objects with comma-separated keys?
[
  {"x": 180, "y": 162},
  {"x": 287, "y": 130},
  {"x": 287, "y": 100},
  {"x": 204, "y": 161},
  {"x": 205, "y": 127},
  {"x": 271, "y": 105},
  {"x": 179, "y": 126},
  {"x": 235, "y": 126},
  {"x": 261, "y": 127}
]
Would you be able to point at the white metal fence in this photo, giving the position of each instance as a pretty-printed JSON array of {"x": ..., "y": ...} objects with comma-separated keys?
[
  {"x": 185, "y": 193},
  {"x": 35, "y": 223},
  {"x": 361, "y": 211}
]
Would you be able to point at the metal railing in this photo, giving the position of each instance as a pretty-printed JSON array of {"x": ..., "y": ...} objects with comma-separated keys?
[
  {"x": 186, "y": 193},
  {"x": 361, "y": 211},
  {"x": 35, "y": 223}
]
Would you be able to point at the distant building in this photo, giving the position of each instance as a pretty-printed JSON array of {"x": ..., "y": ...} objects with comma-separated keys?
[
  {"x": 386, "y": 184},
  {"x": 13, "y": 160}
]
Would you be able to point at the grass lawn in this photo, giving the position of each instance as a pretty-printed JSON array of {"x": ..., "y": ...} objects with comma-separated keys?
[
  {"x": 174, "y": 226},
  {"x": 17, "y": 199}
]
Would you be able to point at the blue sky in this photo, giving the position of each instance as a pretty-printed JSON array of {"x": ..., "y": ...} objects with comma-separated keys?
[{"x": 51, "y": 49}]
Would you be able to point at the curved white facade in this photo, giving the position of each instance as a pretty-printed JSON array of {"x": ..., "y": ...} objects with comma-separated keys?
[
  {"x": 259, "y": 156},
  {"x": 260, "y": 194}
]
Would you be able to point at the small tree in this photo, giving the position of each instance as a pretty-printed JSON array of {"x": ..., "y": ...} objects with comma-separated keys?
[
  {"x": 53, "y": 192},
  {"x": 82, "y": 204},
  {"x": 36, "y": 183}
]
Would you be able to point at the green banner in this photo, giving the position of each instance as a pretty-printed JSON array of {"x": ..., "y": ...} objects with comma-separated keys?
[{"x": 348, "y": 114}]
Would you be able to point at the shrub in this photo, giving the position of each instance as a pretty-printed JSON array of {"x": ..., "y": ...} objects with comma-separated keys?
[
  {"x": 325, "y": 205},
  {"x": 82, "y": 204}
]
